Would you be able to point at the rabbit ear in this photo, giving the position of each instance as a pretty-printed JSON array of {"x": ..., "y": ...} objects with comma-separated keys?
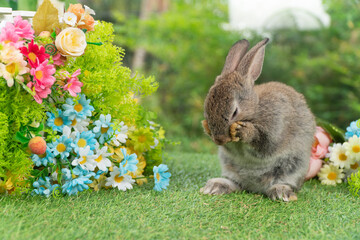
[
  {"x": 236, "y": 52},
  {"x": 251, "y": 64}
]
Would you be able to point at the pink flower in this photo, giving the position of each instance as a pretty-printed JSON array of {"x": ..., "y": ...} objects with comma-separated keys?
[
  {"x": 73, "y": 84},
  {"x": 23, "y": 28},
  {"x": 58, "y": 59},
  {"x": 39, "y": 92},
  {"x": 314, "y": 167},
  {"x": 8, "y": 35},
  {"x": 43, "y": 75},
  {"x": 319, "y": 149},
  {"x": 321, "y": 144},
  {"x": 44, "y": 79}
]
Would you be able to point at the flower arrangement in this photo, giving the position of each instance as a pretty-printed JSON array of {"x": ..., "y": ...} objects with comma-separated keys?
[
  {"x": 336, "y": 156},
  {"x": 70, "y": 109}
]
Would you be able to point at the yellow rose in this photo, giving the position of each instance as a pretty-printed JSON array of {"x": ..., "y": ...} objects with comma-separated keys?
[{"x": 71, "y": 42}]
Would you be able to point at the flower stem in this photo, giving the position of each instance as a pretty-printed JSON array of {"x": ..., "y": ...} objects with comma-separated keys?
[{"x": 95, "y": 43}]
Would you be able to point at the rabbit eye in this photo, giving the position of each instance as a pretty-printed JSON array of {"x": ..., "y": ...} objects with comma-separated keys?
[{"x": 234, "y": 114}]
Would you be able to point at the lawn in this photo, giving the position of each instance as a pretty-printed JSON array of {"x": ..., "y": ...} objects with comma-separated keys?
[{"x": 181, "y": 212}]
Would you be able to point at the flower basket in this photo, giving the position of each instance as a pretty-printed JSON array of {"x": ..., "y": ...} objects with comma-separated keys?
[{"x": 70, "y": 112}]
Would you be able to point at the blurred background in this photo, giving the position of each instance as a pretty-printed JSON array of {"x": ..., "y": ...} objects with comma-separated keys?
[{"x": 183, "y": 43}]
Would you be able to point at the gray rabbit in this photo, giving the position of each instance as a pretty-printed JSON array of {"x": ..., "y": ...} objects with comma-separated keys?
[{"x": 264, "y": 132}]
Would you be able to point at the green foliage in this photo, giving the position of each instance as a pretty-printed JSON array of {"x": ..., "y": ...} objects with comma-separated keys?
[
  {"x": 108, "y": 84},
  {"x": 322, "y": 64},
  {"x": 187, "y": 47},
  {"x": 17, "y": 109},
  {"x": 153, "y": 158},
  {"x": 354, "y": 184}
]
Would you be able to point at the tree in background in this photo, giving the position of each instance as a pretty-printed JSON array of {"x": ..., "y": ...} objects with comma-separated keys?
[
  {"x": 187, "y": 48},
  {"x": 322, "y": 64}
]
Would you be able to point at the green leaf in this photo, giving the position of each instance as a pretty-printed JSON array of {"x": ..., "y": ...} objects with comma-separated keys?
[
  {"x": 337, "y": 134},
  {"x": 23, "y": 130},
  {"x": 21, "y": 138},
  {"x": 35, "y": 172},
  {"x": 36, "y": 130},
  {"x": 53, "y": 34}
]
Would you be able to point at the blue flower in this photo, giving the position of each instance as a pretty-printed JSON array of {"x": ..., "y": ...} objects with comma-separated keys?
[
  {"x": 57, "y": 123},
  {"x": 84, "y": 139},
  {"x": 103, "y": 129},
  {"x": 43, "y": 187},
  {"x": 66, "y": 174},
  {"x": 62, "y": 147},
  {"x": 43, "y": 159},
  {"x": 353, "y": 129},
  {"x": 129, "y": 162},
  {"x": 78, "y": 170},
  {"x": 161, "y": 177},
  {"x": 99, "y": 172},
  {"x": 80, "y": 110},
  {"x": 79, "y": 184}
]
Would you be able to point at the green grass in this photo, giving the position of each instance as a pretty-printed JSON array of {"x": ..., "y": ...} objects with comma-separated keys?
[{"x": 322, "y": 212}]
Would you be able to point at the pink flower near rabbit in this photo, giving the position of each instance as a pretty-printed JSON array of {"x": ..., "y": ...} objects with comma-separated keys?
[
  {"x": 321, "y": 144},
  {"x": 319, "y": 149}
]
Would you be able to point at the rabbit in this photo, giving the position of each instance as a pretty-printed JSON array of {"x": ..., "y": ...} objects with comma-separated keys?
[{"x": 264, "y": 133}]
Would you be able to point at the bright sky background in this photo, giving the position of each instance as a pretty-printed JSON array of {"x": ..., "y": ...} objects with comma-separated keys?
[{"x": 260, "y": 14}]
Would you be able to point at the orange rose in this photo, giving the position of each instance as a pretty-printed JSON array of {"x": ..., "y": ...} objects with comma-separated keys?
[
  {"x": 89, "y": 23},
  {"x": 77, "y": 9}
]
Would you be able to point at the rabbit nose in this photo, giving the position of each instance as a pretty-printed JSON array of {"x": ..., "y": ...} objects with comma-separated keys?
[{"x": 221, "y": 140}]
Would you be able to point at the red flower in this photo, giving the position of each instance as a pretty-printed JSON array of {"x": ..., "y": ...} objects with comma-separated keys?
[{"x": 35, "y": 54}]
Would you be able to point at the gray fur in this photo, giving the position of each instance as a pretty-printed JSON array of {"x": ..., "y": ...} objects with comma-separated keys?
[{"x": 264, "y": 132}]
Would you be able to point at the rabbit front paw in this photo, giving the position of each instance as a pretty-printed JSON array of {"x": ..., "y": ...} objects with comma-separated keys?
[
  {"x": 217, "y": 186},
  {"x": 243, "y": 131},
  {"x": 282, "y": 192}
]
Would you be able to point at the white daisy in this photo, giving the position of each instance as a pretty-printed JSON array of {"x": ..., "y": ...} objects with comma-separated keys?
[
  {"x": 338, "y": 155},
  {"x": 85, "y": 160},
  {"x": 80, "y": 126},
  {"x": 67, "y": 132},
  {"x": 330, "y": 175},
  {"x": 352, "y": 147},
  {"x": 354, "y": 168},
  {"x": 121, "y": 182},
  {"x": 70, "y": 18},
  {"x": 120, "y": 137},
  {"x": 101, "y": 160}
]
